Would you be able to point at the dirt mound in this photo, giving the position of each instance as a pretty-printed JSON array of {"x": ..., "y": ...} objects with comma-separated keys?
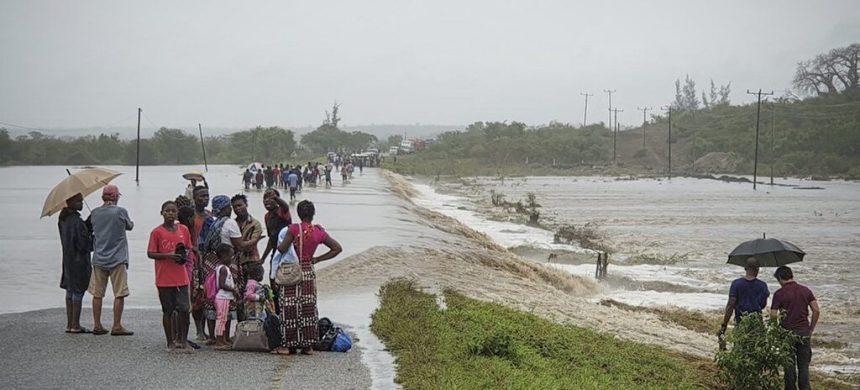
[{"x": 717, "y": 162}]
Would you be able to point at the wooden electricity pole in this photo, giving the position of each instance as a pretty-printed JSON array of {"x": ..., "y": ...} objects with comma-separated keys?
[
  {"x": 585, "y": 112},
  {"x": 644, "y": 121},
  {"x": 669, "y": 109},
  {"x": 757, "y": 121},
  {"x": 137, "y": 164},
  {"x": 615, "y": 134},
  {"x": 610, "y": 92}
]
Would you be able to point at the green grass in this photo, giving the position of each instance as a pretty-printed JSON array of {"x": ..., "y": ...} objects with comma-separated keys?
[{"x": 481, "y": 345}]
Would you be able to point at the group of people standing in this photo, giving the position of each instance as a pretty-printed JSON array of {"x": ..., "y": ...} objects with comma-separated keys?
[{"x": 194, "y": 247}]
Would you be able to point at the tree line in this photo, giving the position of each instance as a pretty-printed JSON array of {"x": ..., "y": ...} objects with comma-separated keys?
[
  {"x": 170, "y": 146},
  {"x": 166, "y": 147}
]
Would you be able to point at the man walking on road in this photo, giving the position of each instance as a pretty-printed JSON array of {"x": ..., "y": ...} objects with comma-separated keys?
[
  {"x": 746, "y": 295},
  {"x": 110, "y": 259},
  {"x": 795, "y": 300}
]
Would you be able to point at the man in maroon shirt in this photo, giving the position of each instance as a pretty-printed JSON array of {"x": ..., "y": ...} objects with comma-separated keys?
[{"x": 795, "y": 300}]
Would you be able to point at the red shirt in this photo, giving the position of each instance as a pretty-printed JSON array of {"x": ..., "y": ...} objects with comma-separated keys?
[
  {"x": 168, "y": 273},
  {"x": 794, "y": 299}
]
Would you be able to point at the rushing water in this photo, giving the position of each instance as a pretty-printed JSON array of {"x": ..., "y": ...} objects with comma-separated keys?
[{"x": 701, "y": 220}]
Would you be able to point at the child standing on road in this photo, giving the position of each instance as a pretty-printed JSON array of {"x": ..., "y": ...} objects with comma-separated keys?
[
  {"x": 227, "y": 292},
  {"x": 171, "y": 277}
]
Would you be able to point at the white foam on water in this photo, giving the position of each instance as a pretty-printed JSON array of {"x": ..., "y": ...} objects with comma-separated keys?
[
  {"x": 650, "y": 298},
  {"x": 507, "y": 234},
  {"x": 681, "y": 276}
]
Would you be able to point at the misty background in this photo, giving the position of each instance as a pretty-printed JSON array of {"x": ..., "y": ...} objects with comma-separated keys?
[{"x": 421, "y": 67}]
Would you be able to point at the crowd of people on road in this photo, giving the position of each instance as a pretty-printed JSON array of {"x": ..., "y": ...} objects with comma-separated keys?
[
  {"x": 208, "y": 268},
  {"x": 296, "y": 176}
]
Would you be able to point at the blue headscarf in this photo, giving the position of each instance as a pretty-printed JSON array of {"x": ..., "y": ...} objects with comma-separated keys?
[{"x": 219, "y": 203}]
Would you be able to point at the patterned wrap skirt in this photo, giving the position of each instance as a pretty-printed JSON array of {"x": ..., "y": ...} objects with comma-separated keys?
[{"x": 299, "y": 317}]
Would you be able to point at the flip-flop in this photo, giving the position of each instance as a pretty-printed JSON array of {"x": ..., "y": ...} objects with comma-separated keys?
[
  {"x": 99, "y": 332},
  {"x": 122, "y": 332},
  {"x": 79, "y": 330},
  {"x": 193, "y": 344}
]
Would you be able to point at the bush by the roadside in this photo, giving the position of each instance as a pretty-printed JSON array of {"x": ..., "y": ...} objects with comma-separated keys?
[
  {"x": 477, "y": 345},
  {"x": 760, "y": 348}
]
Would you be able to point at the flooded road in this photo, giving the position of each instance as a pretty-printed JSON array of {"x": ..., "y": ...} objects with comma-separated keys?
[{"x": 360, "y": 215}]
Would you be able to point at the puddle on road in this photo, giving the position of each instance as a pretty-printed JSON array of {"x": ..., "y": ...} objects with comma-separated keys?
[{"x": 355, "y": 310}]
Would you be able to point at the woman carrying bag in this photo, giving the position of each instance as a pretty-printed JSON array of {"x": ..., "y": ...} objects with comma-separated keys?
[{"x": 298, "y": 296}]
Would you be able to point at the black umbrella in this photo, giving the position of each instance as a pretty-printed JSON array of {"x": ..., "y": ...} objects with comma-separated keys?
[{"x": 769, "y": 252}]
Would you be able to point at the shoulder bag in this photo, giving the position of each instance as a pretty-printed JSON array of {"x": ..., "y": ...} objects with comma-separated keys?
[{"x": 290, "y": 274}]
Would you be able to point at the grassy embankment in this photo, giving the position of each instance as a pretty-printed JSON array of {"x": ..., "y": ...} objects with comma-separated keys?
[
  {"x": 470, "y": 344},
  {"x": 473, "y": 344}
]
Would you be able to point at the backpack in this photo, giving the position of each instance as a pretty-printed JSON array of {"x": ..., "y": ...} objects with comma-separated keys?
[
  {"x": 210, "y": 288},
  {"x": 342, "y": 341},
  {"x": 212, "y": 237}
]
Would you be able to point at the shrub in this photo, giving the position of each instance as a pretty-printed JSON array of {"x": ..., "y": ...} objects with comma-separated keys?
[{"x": 760, "y": 348}]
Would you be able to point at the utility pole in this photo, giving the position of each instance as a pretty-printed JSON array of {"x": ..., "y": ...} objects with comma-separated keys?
[
  {"x": 669, "y": 108},
  {"x": 610, "y": 92},
  {"x": 203, "y": 145},
  {"x": 615, "y": 134},
  {"x": 772, "y": 126},
  {"x": 757, "y": 118},
  {"x": 644, "y": 122},
  {"x": 585, "y": 113},
  {"x": 137, "y": 164}
]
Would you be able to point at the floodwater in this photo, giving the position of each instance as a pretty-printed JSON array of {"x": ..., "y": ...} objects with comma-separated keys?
[
  {"x": 699, "y": 220},
  {"x": 360, "y": 215}
]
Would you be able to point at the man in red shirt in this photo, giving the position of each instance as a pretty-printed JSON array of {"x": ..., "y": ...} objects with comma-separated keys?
[
  {"x": 795, "y": 300},
  {"x": 167, "y": 245}
]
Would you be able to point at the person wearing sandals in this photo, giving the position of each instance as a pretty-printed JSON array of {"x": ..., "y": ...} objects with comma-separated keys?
[
  {"x": 171, "y": 276},
  {"x": 77, "y": 242},
  {"x": 299, "y": 315},
  {"x": 110, "y": 259}
]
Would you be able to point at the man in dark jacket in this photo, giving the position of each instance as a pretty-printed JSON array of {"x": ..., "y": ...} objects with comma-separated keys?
[{"x": 77, "y": 242}]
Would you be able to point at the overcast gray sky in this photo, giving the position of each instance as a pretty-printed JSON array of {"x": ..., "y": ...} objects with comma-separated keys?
[{"x": 237, "y": 64}]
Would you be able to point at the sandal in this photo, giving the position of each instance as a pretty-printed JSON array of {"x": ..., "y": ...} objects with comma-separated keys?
[
  {"x": 121, "y": 332},
  {"x": 281, "y": 351},
  {"x": 99, "y": 331},
  {"x": 79, "y": 330}
]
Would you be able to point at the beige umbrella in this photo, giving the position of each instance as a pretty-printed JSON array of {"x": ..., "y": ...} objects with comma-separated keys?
[{"x": 84, "y": 182}]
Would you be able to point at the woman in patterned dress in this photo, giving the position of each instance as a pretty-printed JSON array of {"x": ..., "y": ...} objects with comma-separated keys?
[{"x": 299, "y": 303}]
